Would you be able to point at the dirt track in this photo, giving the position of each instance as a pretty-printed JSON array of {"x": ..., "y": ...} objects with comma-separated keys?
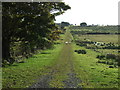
[{"x": 62, "y": 71}]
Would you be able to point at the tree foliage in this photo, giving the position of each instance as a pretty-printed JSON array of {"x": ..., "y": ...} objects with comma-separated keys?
[
  {"x": 29, "y": 25},
  {"x": 83, "y": 24},
  {"x": 63, "y": 24}
]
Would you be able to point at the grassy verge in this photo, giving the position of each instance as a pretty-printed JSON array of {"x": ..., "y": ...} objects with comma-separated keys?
[
  {"x": 92, "y": 74},
  {"x": 63, "y": 64},
  {"x": 62, "y": 67},
  {"x": 22, "y": 75}
]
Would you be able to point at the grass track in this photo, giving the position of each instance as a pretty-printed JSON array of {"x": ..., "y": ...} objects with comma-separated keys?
[{"x": 64, "y": 67}]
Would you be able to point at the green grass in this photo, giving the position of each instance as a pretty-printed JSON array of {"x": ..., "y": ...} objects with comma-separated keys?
[
  {"x": 101, "y": 38},
  {"x": 0, "y": 78},
  {"x": 23, "y": 75},
  {"x": 63, "y": 64},
  {"x": 92, "y": 74},
  {"x": 105, "y": 51}
]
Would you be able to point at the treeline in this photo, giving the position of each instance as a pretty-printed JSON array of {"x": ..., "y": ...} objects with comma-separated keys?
[
  {"x": 27, "y": 27},
  {"x": 111, "y": 29},
  {"x": 101, "y": 33}
]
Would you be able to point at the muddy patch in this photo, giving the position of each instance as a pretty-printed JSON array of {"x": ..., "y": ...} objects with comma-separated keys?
[
  {"x": 72, "y": 81},
  {"x": 43, "y": 82}
]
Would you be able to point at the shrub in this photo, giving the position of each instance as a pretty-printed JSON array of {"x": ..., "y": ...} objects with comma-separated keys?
[
  {"x": 110, "y": 62},
  {"x": 110, "y": 56},
  {"x": 82, "y": 44},
  {"x": 57, "y": 43},
  {"x": 100, "y": 56},
  {"x": 90, "y": 47},
  {"x": 118, "y": 63},
  {"x": 111, "y": 66},
  {"x": 76, "y": 51},
  {"x": 117, "y": 58},
  {"x": 77, "y": 43},
  {"x": 112, "y": 47},
  {"x": 81, "y": 51},
  {"x": 115, "y": 64},
  {"x": 102, "y": 61}
]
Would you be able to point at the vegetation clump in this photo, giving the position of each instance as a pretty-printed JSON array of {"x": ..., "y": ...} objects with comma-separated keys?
[
  {"x": 110, "y": 59},
  {"x": 81, "y": 51},
  {"x": 100, "y": 56}
]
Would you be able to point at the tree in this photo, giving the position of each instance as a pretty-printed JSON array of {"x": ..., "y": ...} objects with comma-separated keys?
[
  {"x": 83, "y": 24},
  {"x": 63, "y": 24},
  {"x": 29, "y": 24}
]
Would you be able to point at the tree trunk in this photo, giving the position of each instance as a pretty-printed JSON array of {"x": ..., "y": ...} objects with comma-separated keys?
[{"x": 5, "y": 48}]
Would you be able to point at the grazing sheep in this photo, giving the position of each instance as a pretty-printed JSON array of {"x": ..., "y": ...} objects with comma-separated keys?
[
  {"x": 67, "y": 42},
  {"x": 99, "y": 43}
]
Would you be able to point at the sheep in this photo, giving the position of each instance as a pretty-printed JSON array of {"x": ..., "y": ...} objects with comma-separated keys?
[
  {"x": 67, "y": 42},
  {"x": 99, "y": 43}
]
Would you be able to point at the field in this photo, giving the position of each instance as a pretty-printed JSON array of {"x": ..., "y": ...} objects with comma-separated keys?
[
  {"x": 82, "y": 34},
  {"x": 97, "y": 71},
  {"x": 63, "y": 66},
  {"x": 93, "y": 74},
  {"x": 101, "y": 38}
]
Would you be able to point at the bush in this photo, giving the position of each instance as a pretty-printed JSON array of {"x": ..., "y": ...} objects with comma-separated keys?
[
  {"x": 111, "y": 66},
  {"x": 82, "y": 44},
  {"x": 112, "y": 47},
  {"x": 102, "y": 61},
  {"x": 76, "y": 51},
  {"x": 117, "y": 58},
  {"x": 110, "y": 62},
  {"x": 100, "y": 56},
  {"x": 110, "y": 59},
  {"x": 81, "y": 51},
  {"x": 110, "y": 56}
]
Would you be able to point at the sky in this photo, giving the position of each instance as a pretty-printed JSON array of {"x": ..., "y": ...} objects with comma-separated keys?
[{"x": 101, "y": 12}]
